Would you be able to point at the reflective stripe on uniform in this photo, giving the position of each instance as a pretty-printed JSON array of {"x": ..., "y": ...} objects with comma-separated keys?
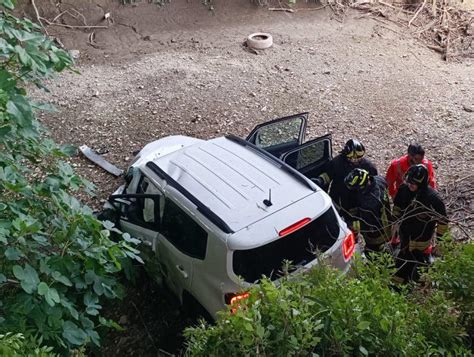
[
  {"x": 441, "y": 229},
  {"x": 356, "y": 226},
  {"x": 397, "y": 211},
  {"x": 398, "y": 279},
  {"x": 325, "y": 178},
  {"x": 418, "y": 245}
]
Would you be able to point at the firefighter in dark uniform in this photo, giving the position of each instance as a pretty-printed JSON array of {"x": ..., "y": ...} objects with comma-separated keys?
[
  {"x": 371, "y": 215},
  {"x": 417, "y": 212},
  {"x": 351, "y": 157}
]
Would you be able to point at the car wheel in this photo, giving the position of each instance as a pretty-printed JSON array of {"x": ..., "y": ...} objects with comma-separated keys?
[{"x": 259, "y": 41}]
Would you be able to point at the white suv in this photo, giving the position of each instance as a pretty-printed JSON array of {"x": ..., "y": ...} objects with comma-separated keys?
[{"x": 219, "y": 214}]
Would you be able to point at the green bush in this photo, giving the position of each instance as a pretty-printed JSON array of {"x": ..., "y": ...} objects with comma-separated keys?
[
  {"x": 16, "y": 345},
  {"x": 57, "y": 262},
  {"x": 454, "y": 275},
  {"x": 327, "y": 314}
]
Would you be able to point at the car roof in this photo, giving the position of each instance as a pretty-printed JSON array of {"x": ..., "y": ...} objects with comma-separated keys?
[{"x": 233, "y": 180}]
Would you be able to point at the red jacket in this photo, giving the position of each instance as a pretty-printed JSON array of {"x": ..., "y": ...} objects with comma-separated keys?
[{"x": 397, "y": 169}]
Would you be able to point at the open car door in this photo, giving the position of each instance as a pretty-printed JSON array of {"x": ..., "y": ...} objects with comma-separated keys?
[
  {"x": 280, "y": 135},
  {"x": 311, "y": 157}
]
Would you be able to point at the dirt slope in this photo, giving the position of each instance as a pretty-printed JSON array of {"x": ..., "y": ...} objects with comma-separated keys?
[
  {"x": 191, "y": 76},
  {"x": 181, "y": 69}
]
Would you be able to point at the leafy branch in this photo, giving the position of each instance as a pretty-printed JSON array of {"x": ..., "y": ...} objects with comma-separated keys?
[{"x": 57, "y": 262}]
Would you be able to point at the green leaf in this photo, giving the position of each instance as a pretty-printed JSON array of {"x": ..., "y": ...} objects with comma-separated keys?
[
  {"x": 109, "y": 225},
  {"x": 363, "y": 325},
  {"x": 3, "y": 278},
  {"x": 90, "y": 299},
  {"x": 61, "y": 278},
  {"x": 20, "y": 109},
  {"x": 7, "y": 82},
  {"x": 44, "y": 106},
  {"x": 248, "y": 326},
  {"x": 69, "y": 150},
  {"x": 43, "y": 288},
  {"x": 25, "y": 58},
  {"x": 18, "y": 272},
  {"x": 9, "y": 4},
  {"x": 52, "y": 296},
  {"x": 385, "y": 325},
  {"x": 28, "y": 277},
  {"x": 5, "y": 129},
  {"x": 363, "y": 350},
  {"x": 73, "y": 334},
  {"x": 12, "y": 253}
]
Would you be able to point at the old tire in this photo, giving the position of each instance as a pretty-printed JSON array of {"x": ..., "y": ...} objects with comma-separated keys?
[{"x": 259, "y": 41}]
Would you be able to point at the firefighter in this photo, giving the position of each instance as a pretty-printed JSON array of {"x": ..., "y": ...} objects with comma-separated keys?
[
  {"x": 371, "y": 216},
  {"x": 351, "y": 157},
  {"x": 397, "y": 169},
  {"x": 418, "y": 212}
]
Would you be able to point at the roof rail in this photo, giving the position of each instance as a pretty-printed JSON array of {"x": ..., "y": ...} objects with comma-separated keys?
[
  {"x": 210, "y": 215},
  {"x": 301, "y": 178}
]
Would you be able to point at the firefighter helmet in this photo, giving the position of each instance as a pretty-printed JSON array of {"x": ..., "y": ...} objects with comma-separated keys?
[
  {"x": 357, "y": 179},
  {"x": 417, "y": 175},
  {"x": 353, "y": 149}
]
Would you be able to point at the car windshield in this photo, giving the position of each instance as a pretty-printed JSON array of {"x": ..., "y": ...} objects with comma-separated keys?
[{"x": 298, "y": 247}]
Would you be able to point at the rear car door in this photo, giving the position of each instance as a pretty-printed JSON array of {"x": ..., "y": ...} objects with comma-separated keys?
[
  {"x": 311, "y": 157},
  {"x": 280, "y": 135}
]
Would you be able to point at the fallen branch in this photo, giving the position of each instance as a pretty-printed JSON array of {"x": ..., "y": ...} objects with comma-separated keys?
[
  {"x": 417, "y": 13},
  {"x": 281, "y": 9},
  {"x": 436, "y": 48},
  {"x": 72, "y": 15},
  {"x": 395, "y": 8},
  {"x": 312, "y": 8},
  {"x": 73, "y": 26},
  {"x": 38, "y": 17},
  {"x": 58, "y": 16},
  {"x": 92, "y": 40}
]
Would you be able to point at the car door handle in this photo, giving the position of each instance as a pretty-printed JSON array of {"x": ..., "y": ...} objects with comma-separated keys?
[{"x": 182, "y": 271}]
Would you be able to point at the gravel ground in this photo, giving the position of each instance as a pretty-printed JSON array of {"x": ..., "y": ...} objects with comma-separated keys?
[{"x": 187, "y": 73}]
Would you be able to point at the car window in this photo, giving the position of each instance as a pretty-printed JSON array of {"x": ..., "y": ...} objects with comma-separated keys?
[
  {"x": 278, "y": 133},
  {"x": 308, "y": 155},
  {"x": 182, "y": 231},
  {"x": 145, "y": 211},
  {"x": 298, "y": 247}
]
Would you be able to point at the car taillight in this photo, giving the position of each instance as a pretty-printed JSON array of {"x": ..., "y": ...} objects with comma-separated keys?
[
  {"x": 233, "y": 300},
  {"x": 294, "y": 227},
  {"x": 348, "y": 246}
]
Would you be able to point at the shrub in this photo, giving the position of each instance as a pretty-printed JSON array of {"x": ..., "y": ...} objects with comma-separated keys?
[
  {"x": 454, "y": 275},
  {"x": 325, "y": 313},
  {"x": 17, "y": 345},
  {"x": 57, "y": 262}
]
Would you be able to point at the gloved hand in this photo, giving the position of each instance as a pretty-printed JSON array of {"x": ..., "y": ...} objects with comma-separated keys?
[{"x": 318, "y": 181}]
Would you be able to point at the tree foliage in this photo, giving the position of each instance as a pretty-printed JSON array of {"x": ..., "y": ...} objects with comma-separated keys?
[{"x": 57, "y": 262}]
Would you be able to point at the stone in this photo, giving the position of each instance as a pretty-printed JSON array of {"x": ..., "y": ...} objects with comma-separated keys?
[
  {"x": 468, "y": 108},
  {"x": 75, "y": 53}
]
